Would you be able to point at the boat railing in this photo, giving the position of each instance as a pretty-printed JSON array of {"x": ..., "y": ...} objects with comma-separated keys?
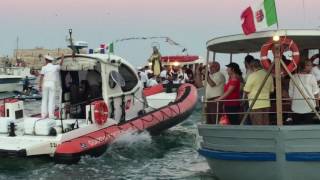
[{"x": 244, "y": 107}]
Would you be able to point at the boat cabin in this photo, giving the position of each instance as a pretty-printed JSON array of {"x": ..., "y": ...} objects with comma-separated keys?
[{"x": 93, "y": 77}]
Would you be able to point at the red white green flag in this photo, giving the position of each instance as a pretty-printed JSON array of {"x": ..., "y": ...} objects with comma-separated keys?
[{"x": 259, "y": 16}]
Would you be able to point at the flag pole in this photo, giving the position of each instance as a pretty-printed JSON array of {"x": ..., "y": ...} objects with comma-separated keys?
[{"x": 275, "y": 7}]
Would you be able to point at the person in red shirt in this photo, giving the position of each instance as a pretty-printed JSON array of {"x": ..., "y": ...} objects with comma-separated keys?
[{"x": 232, "y": 93}]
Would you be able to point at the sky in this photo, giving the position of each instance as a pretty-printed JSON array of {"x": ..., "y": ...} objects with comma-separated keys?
[{"x": 45, "y": 23}]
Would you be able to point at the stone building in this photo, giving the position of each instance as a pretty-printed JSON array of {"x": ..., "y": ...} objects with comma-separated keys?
[{"x": 34, "y": 57}]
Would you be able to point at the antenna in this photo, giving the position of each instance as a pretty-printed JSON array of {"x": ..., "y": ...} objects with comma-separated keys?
[
  {"x": 17, "y": 47},
  {"x": 71, "y": 43}
]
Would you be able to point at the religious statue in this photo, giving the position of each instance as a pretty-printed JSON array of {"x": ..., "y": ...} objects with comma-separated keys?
[{"x": 155, "y": 61}]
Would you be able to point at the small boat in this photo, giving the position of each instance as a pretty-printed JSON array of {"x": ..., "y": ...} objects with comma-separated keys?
[
  {"x": 30, "y": 94},
  {"x": 19, "y": 71},
  {"x": 9, "y": 83},
  {"x": 91, "y": 117},
  {"x": 277, "y": 152}
]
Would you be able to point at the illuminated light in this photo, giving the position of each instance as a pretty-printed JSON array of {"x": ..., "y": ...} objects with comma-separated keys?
[
  {"x": 150, "y": 63},
  {"x": 276, "y": 38},
  {"x": 176, "y": 64}
]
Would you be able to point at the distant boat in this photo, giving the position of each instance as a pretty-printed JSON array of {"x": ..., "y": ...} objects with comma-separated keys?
[{"x": 9, "y": 83}]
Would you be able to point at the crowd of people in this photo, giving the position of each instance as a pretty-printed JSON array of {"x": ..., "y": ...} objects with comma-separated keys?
[
  {"x": 167, "y": 75},
  {"x": 164, "y": 74},
  {"x": 233, "y": 96}
]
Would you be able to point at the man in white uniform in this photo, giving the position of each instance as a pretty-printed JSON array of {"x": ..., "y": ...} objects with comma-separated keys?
[{"x": 49, "y": 79}]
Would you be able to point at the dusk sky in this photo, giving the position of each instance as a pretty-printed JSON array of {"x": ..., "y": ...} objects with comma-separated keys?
[{"x": 191, "y": 23}]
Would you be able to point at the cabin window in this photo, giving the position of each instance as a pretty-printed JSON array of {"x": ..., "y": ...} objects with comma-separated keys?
[{"x": 129, "y": 77}]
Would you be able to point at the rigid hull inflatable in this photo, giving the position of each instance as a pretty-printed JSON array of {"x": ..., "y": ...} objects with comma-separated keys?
[{"x": 88, "y": 121}]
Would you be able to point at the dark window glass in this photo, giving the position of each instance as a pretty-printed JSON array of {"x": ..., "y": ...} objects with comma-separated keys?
[{"x": 129, "y": 77}]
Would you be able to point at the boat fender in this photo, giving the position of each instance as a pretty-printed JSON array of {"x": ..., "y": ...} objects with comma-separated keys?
[
  {"x": 100, "y": 112},
  {"x": 112, "y": 108},
  {"x": 54, "y": 131},
  {"x": 285, "y": 44},
  {"x": 141, "y": 112},
  {"x": 123, "y": 109}
]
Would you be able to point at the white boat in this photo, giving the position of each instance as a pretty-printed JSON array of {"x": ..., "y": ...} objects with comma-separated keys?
[
  {"x": 88, "y": 121},
  {"x": 19, "y": 71},
  {"x": 9, "y": 83},
  {"x": 277, "y": 152}
]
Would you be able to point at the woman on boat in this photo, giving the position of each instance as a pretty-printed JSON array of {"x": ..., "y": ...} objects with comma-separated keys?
[
  {"x": 308, "y": 84},
  {"x": 232, "y": 93}
]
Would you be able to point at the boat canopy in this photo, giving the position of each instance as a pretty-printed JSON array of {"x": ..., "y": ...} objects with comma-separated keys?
[
  {"x": 305, "y": 39},
  {"x": 181, "y": 60}
]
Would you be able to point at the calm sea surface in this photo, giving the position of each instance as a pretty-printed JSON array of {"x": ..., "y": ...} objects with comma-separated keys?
[{"x": 172, "y": 155}]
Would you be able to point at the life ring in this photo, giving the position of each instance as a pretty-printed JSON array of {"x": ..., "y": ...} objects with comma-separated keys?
[
  {"x": 285, "y": 45},
  {"x": 100, "y": 112}
]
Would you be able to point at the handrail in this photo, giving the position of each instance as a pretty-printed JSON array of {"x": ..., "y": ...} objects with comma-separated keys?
[{"x": 272, "y": 99}]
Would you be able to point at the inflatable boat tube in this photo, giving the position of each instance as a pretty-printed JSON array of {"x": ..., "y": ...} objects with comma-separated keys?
[{"x": 96, "y": 143}]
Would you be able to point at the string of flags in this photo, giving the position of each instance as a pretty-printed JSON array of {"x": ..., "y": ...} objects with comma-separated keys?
[{"x": 109, "y": 48}]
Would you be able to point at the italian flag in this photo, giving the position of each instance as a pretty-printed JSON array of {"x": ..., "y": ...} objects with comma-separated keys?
[{"x": 259, "y": 16}]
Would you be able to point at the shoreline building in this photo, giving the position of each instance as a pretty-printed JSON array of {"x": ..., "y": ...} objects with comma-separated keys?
[{"x": 33, "y": 58}]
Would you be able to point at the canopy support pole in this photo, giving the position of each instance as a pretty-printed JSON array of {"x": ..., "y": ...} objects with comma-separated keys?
[
  {"x": 277, "y": 63},
  {"x": 204, "y": 107}
]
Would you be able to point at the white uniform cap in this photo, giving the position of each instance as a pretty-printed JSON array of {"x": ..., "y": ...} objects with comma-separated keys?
[{"x": 49, "y": 58}]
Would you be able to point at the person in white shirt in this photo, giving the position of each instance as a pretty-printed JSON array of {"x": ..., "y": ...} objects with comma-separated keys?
[
  {"x": 147, "y": 70},
  {"x": 152, "y": 81},
  {"x": 183, "y": 76},
  {"x": 48, "y": 81},
  {"x": 316, "y": 71},
  {"x": 308, "y": 83},
  {"x": 143, "y": 77},
  {"x": 214, "y": 90},
  {"x": 163, "y": 73}
]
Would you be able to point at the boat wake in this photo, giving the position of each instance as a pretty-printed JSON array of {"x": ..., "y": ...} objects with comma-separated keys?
[{"x": 133, "y": 138}]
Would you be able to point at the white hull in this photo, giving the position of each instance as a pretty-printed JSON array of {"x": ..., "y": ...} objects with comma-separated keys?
[
  {"x": 262, "y": 152},
  {"x": 9, "y": 87},
  {"x": 161, "y": 99},
  {"x": 37, "y": 144}
]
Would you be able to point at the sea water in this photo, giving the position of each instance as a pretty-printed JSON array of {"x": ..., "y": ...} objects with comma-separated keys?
[{"x": 170, "y": 155}]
